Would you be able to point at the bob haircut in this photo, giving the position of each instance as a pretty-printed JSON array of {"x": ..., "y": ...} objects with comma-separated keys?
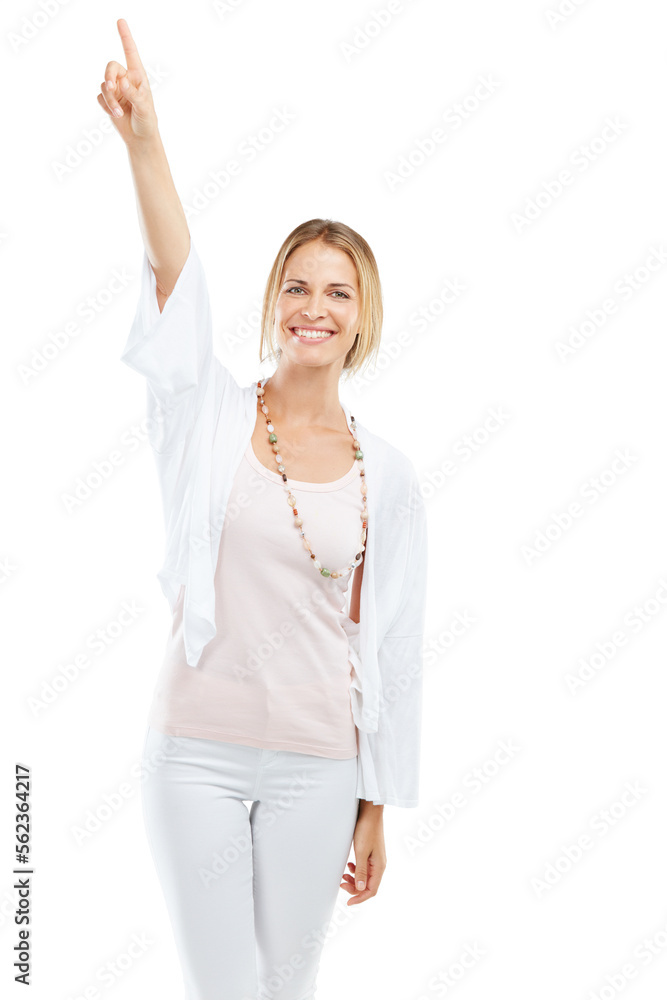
[{"x": 332, "y": 234}]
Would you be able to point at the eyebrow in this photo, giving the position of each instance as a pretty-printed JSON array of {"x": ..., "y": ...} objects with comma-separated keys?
[{"x": 332, "y": 284}]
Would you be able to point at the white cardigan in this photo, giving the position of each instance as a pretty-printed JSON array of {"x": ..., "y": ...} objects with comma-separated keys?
[{"x": 200, "y": 423}]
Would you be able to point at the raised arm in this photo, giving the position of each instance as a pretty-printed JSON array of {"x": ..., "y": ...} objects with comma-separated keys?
[{"x": 126, "y": 97}]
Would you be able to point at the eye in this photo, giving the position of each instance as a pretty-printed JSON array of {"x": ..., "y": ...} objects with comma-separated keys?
[{"x": 337, "y": 291}]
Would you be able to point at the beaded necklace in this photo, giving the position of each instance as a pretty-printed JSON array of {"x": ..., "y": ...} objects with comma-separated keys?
[{"x": 291, "y": 499}]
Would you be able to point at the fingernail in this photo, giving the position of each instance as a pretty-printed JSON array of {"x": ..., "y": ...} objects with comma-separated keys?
[{"x": 360, "y": 884}]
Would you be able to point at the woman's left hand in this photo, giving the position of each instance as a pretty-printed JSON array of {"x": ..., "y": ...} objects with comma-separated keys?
[{"x": 369, "y": 854}]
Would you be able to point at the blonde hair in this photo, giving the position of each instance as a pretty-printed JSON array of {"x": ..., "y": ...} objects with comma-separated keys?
[{"x": 332, "y": 234}]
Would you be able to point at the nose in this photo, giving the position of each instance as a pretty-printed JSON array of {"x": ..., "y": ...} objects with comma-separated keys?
[{"x": 314, "y": 308}]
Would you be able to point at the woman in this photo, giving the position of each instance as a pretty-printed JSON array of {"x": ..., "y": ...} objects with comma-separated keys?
[{"x": 281, "y": 685}]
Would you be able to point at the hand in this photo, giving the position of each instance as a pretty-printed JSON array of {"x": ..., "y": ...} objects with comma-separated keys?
[
  {"x": 369, "y": 852},
  {"x": 128, "y": 90}
]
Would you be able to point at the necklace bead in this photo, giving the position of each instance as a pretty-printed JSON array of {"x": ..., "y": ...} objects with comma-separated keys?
[{"x": 291, "y": 499}]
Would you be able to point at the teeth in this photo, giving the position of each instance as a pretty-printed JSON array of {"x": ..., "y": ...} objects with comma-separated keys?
[{"x": 311, "y": 334}]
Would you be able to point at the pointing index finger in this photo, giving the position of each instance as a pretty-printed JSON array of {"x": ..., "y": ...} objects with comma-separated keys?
[{"x": 130, "y": 49}]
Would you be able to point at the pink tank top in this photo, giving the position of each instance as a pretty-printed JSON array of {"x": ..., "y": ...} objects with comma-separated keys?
[{"x": 277, "y": 672}]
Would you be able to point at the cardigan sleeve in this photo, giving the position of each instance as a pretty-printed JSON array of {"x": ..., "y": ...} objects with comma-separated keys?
[
  {"x": 395, "y": 747},
  {"x": 185, "y": 381},
  {"x": 173, "y": 350}
]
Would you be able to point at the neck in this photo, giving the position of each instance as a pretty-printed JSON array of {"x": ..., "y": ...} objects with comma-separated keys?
[{"x": 301, "y": 396}]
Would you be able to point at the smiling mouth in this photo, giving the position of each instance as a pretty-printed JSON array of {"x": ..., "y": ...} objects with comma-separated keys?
[{"x": 303, "y": 333}]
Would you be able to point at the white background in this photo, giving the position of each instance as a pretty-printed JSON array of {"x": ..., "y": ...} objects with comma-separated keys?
[{"x": 475, "y": 868}]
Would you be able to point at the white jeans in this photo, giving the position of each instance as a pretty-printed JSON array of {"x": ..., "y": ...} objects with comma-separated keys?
[{"x": 249, "y": 892}]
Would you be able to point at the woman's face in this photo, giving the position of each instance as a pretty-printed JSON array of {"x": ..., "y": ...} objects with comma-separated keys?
[{"x": 318, "y": 305}]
